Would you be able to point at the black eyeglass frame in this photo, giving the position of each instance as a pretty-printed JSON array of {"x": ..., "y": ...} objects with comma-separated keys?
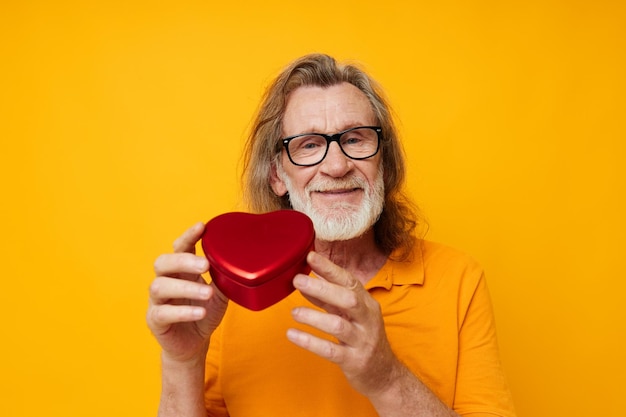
[{"x": 333, "y": 138}]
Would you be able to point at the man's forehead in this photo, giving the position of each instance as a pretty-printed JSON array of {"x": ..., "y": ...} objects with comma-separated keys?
[{"x": 326, "y": 109}]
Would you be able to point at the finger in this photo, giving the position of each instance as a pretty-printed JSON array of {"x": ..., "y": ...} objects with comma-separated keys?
[
  {"x": 331, "y": 324},
  {"x": 323, "y": 293},
  {"x": 160, "y": 318},
  {"x": 187, "y": 241},
  {"x": 164, "y": 289},
  {"x": 326, "y": 269},
  {"x": 321, "y": 347},
  {"x": 176, "y": 263}
]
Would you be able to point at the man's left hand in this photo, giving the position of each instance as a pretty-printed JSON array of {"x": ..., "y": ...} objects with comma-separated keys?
[{"x": 353, "y": 317}]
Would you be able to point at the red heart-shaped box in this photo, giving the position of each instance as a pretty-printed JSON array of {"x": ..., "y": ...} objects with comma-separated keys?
[{"x": 254, "y": 257}]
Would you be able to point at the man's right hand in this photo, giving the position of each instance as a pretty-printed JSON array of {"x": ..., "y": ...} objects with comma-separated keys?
[{"x": 184, "y": 311}]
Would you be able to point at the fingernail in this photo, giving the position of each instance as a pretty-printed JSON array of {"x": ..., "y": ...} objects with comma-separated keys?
[
  {"x": 300, "y": 281},
  {"x": 197, "y": 312},
  {"x": 201, "y": 263},
  {"x": 292, "y": 335},
  {"x": 204, "y": 291}
]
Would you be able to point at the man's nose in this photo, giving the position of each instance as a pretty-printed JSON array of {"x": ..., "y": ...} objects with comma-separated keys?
[{"x": 336, "y": 163}]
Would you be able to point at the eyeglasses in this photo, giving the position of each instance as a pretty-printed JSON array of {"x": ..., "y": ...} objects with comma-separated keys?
[{"x": 310, "y": 149}]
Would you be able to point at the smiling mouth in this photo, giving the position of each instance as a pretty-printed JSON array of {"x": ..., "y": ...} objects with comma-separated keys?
[
  {"x": 339, "y": 195},
  {"x": 338, "y": 191},
  {"x": 337, "y": 187}
]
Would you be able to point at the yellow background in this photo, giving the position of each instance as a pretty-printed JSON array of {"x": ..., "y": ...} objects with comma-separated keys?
[{"x": 122, "y": 124}]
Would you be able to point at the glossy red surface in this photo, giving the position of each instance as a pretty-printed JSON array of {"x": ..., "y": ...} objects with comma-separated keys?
[{"x": 254, "y": 257}]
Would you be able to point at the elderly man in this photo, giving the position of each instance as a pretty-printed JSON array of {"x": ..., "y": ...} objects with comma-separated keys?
[{"x": 387, "y": 324}]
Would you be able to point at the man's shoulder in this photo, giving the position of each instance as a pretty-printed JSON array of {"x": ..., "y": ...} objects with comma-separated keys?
[
  {"x": 433, "y": 248},
  {"x": 439, "y": 256}
]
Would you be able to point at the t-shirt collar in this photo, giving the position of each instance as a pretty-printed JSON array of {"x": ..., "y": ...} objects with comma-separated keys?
[{"x": 400, "y": 272}]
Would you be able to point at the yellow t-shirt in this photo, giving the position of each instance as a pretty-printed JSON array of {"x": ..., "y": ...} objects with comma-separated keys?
[{"x": 439, "y": 322}]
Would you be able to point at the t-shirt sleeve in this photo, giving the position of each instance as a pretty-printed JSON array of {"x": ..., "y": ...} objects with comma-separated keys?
[{"x": 481, "y": 388}]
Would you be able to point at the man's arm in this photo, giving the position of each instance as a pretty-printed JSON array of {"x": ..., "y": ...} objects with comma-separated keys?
[
  {"x": 406, "y": 395},
  {"x": 182, "y": 392},
  {"x": 183, "y": 313}
]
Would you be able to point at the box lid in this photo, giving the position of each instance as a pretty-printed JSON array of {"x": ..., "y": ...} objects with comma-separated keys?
[{"x": 254, "y": 248}]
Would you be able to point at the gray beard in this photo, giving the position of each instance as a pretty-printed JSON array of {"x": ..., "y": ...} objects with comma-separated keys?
[{"x": 339, "y": 221}]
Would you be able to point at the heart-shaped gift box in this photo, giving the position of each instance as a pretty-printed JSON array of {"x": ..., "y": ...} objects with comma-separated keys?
[{"x": 253, "y": 258}]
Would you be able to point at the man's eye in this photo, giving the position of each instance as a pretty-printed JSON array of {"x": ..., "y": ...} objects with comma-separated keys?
[
  {"x": 310, "y": 143},
  {"x": 352, "y": 141}
]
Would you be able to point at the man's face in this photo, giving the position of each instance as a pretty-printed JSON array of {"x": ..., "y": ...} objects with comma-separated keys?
[{"x": 342, "y": 196}]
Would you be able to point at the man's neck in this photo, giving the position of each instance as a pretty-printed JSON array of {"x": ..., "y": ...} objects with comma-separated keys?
[{"x": 359, "y": 256}]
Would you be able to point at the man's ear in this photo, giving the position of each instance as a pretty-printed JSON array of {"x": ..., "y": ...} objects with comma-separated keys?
[{"x": 276, "y": 183}]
